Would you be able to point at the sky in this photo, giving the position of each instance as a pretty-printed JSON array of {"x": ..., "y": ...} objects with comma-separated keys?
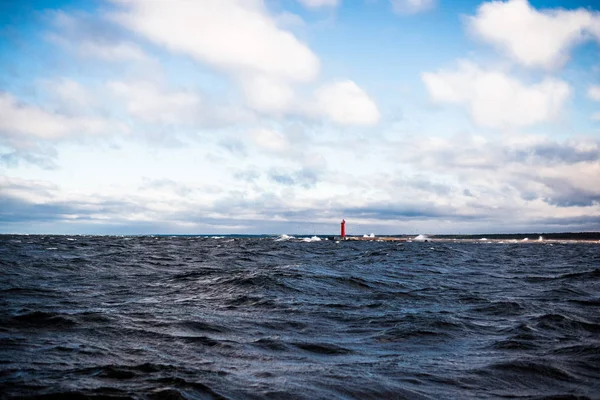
[{"x": 287, "y": 116}]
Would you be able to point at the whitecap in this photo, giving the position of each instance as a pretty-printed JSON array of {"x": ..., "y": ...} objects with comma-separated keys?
[
  {"x": 284, "y": 237},
  {"x": 312, "y": 239}
]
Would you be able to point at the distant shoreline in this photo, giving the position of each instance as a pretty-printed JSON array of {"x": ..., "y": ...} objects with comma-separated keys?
[
  {"x": 580, "y": 236},
  {"x": 435, "y": 239},
  {"x": 505, "y": 237},
  {"x": 492, "y": 237}
]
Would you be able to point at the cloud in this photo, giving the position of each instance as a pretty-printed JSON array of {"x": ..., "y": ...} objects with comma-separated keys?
[
  {"x": 417, "y": 210},
  {"x": 277, "y": 162},
  {"x": 511, "y": 170},
  {"x": 163, "y": 184},
  {"x": 42, "y": 157},
  {"x": 236, "y": 36},
  {"x": 71, "y": 98},
  {"x": 271, "y": 141},
  {"x": 345, "y": 103},
  {"x": 477, "y": 152},
  {"x": 578, "y": 223},
  {"x": 540, "y": 39},
  {"x": 243, "y": 40},
  {"x": 319, "y": 3},
  {"x": 42, "y": 208},
  {"x": 287, "y": 157},
  {"x": 249, "y": 175},
  {"x": 157, "y": 206},
  {"x": 341, "y": 102},
  {"x": 29, "y": 132},
  {"x": 563, "y": 192},
  {"x": 93, "y": 37},
  {"x": 268, "y": 95},
  {"x": 293, "y": 145},
  {"x": 504, "y": 183},
  {"x": 412, "y": 6},
  {"x": 114, "y": 52},
  {"x": 594, "y": 92},
  {"x": 494, "y": 98},
  {"x": 19, "y": 121},
  {"x": 36, "y": 201},
  {"x": 149, "y": 103},
  {"x": 304, "y": 177}
]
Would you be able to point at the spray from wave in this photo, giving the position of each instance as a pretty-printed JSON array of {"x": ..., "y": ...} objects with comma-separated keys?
[
  {"x": 284, "y": 237},
  {"x": 312, "y": 239}
]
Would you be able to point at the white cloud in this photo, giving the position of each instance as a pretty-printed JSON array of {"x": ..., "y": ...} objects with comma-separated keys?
[
  {"x": 342, "y": 102},
  {"x": 271, "y": 141},
  {"x": 238, "y": 36},
  {"x": 268, "y": 95},
  {"x": 319, "y": 3},
  {"x": 121, "y": 51},
  {"x": 113, "y": 52},
  {"x": 530, "y": 37},
  {"x": 594, "y": 92},
  {"x": 494, "y": 98},
  {"x": 530, "y": 175},
  {"x": 93, "y": 38},
  {"x": 241, "y": 38},
  {"x": 149, "y": 103},
  {"x": 20, "y": 120},
  {"x": 412, "y": 6},
  {"x": 345, "y": 103},
  {"x": 423, "y": 183},
  {"x": 289, "y": 20},
  {"x": 34, "y": 191},
  {"x": 69, "y": 93}
]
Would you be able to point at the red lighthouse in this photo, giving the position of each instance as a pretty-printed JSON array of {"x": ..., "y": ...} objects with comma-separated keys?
[{"x": 343, "y": 229}]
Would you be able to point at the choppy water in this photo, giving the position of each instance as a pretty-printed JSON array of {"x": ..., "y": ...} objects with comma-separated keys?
[{"x": 250, "y": 318}]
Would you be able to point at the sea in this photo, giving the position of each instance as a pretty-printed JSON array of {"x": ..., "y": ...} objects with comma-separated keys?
[{"x": 200, "y": 317}]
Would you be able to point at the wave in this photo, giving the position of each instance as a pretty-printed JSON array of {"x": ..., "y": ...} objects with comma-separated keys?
[
  {"x": 312, "y": 239},
  {"x": 323, "y": 348},
  {"x": 201, "y": 326},
  {"x": 43, "y": 319},
  {"x": 284, "y": 237},
  {"x": 189, "y": 317},
  {"x": 501, "y": 308},
  {"x": 525, "y": 368},
  {"x": 566, "y": 324},
  {"x": 270, "y": 344},
  {"x": 590, "y": 274}
]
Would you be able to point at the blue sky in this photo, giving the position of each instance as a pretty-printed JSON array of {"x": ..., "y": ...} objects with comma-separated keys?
[{"x": 285, "y": 116}]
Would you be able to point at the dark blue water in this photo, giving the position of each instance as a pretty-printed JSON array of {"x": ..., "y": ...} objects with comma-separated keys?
[{"x": 251, "y": 318}]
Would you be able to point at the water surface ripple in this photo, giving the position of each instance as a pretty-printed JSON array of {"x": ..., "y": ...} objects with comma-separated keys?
[{"x": 251, "y": 318}]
